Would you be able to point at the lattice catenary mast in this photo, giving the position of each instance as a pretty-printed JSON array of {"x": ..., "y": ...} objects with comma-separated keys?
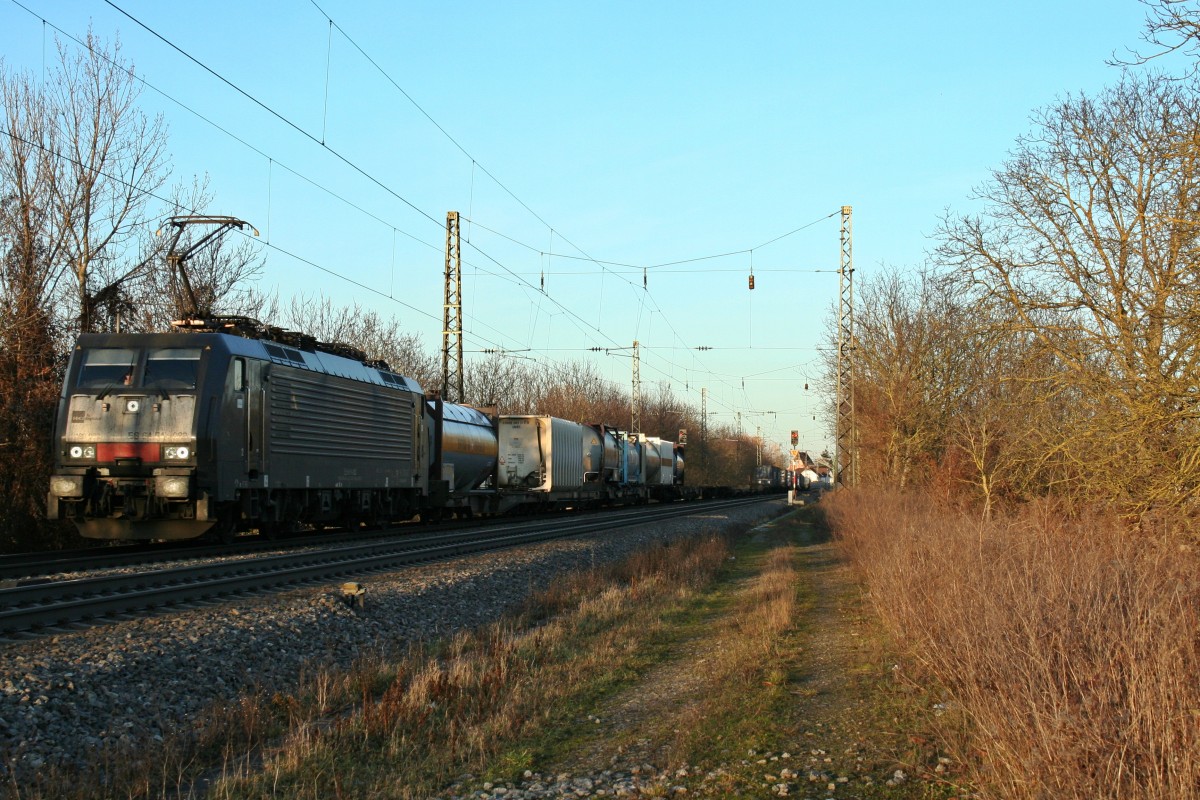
[
  {"x": 847, "y": 433},
  {"x": 452, "y": 346},
  {"x": 635, "y": 422}
]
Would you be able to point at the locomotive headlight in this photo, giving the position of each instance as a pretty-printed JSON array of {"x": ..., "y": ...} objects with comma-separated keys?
[
  {"x": 133, "y": 406},
  {"x": 66, "y": 486},
  {"x": 176, "y": 452},
  {"x": 87, "y": 451},
  {"x": 171, "y": 486}
]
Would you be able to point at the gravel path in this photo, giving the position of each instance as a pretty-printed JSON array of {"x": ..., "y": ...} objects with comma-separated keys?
[
  {"x": 62, "y": 696},
  {"x": 837, "y": 753}
]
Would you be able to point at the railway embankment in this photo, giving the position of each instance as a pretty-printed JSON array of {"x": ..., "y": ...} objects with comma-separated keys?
[
  {"x": 143, "y": 700},
  {"x": 731, "y": 655}
]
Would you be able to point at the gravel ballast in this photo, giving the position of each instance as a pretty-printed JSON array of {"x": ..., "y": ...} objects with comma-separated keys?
[{"x": 65, "y": 695}]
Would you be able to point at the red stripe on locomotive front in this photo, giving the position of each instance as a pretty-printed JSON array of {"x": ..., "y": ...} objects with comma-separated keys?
[{"x": 111, "y": 451}]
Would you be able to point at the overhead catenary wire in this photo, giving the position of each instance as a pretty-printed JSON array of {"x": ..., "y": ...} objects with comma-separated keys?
[
  {"x": 272, "y": 160},
  {"x": 314, "y": 139},
  {"x": 475, "y": 163},
  {"x": 583, "y": 325},
  {"x": 268, "y": 245},
  {"x": 360, "y": 170},
  {"x": 294, "y": 126},
  {"x": 522, "y": 203}
]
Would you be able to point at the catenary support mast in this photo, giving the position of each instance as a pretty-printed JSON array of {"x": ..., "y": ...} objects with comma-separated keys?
[
  {"x": 452, "y": 346},
  {"x": 845, "y": 461},
  {"x": 635, "y": 421}
]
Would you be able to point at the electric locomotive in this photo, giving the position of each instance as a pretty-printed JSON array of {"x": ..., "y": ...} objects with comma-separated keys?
[{"x": 169, "y": 436}]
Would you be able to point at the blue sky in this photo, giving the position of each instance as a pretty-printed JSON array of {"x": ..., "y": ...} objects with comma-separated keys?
[{"x": 632, "y": 133}]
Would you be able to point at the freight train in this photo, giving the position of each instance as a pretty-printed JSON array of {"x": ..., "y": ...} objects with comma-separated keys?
[
  {"x": 770, "y": 477},
  {"x": 234, "y": 427}
]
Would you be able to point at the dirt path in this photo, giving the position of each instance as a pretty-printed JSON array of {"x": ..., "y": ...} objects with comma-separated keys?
[{"x": 835, "y": 733}]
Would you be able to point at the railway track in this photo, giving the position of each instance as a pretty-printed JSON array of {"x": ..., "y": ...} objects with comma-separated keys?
[
  {"x": 43, "y": 607},
  {"x": 26, "y": 567},
  {"x": 22, "y": 568},
  {"x": 29, "y": 568}
]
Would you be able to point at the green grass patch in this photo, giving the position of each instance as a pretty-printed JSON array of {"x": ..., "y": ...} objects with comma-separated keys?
[{"x": 844, "y": 732}]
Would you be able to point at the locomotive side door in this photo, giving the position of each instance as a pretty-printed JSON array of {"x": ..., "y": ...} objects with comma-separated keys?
[
  {"x": 255, "y": 428},
  {"x": 228, "y": 428}
]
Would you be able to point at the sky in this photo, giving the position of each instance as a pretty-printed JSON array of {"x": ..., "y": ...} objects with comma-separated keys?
[{"x": 620, "y": 168}]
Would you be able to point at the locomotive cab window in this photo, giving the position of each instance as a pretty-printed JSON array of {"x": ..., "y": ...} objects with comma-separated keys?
[
  {"x": 107, "y": 366},
  {"x": 172, "y": 367},
  {"x": 239, "y": 374}
]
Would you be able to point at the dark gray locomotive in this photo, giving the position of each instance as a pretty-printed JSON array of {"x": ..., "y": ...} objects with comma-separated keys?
[{"x": 174, "y": 435}]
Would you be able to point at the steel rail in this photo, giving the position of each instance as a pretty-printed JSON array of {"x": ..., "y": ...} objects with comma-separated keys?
[
  {"x": 31, "y": 567},
  {"x": 35, "y": 607},
  {"x": 40, "y": 567}
]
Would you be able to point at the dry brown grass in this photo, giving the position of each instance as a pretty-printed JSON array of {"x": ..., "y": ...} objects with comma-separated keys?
[
  {"x": 420, "y": 720},
  {"x": 743, "y": 657},
  {"x": 765, "y": 610},
  {"x": 402, "y": 725},
  {"x": 1068, "y": 645}
]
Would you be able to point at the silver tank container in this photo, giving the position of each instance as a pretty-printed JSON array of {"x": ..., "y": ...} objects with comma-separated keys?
[
  {"x": 659, "y": 460},
  {"x": 601, "y": 454},
  {"x": 468, "y": 445}
]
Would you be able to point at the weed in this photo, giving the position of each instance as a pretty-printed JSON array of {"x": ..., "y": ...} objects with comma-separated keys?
[{"x": 1064, "y": 648}]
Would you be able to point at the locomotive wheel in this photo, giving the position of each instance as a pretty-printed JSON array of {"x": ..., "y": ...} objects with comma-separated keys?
[{"x": 225, "y": 531}]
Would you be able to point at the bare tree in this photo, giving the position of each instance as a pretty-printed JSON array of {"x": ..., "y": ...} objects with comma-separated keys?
[
  {"x": 1088, "y": 242},
  {"x": 77, "y": 163},
  {"x": 378, "y": 338},
  {"x": 913, "y": 356},
  {"x": 512, "y": 384},
  {"x": 1002, "y": 440},
  {"x": 897, "y": 345},
  {"x": 55, "y": 136},
  {"x": 108, "y": 160},
  {"x": 665, "y": 413},
  {"x": 27, "y": 282},
  {"x": 578, "y": 391},
  {"x": 1171, "y": 26}
]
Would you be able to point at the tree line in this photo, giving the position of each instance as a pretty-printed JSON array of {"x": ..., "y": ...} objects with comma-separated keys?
[
  {"x": 1050, "y": 346},
  {"x": 84, "y": 183}
]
